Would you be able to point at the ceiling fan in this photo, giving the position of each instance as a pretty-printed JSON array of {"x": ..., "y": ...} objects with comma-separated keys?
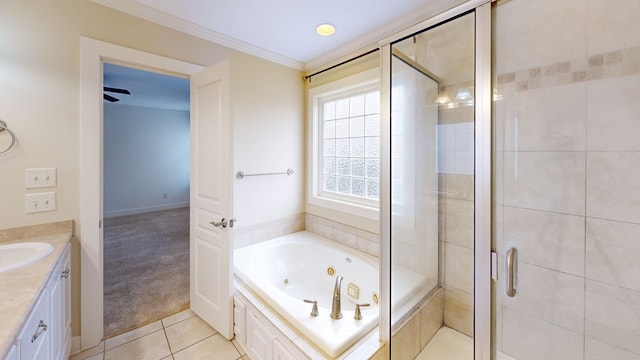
[{"x": 114, "y": 90}]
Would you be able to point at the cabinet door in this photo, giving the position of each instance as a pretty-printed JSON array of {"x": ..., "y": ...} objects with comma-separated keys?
[
  {"x": 57, "y": 317},
  {"x": 240, "y": 321},
  {"x": 65, "y": 292},
  {"x": 13, "y": 353},
  {"x": 259, "y": 341},
  {"x": 34, "y": 337},
  {"x": 60, "y": 308},
  {"x": 280, "y": 353}
]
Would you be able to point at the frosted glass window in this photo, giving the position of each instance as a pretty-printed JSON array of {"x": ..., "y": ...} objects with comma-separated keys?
[
  {"x": 350, "y": 142},
  {"x": 372, "y": 103},
  {"x": 329, "y": 110},
  {"x": 373, "y": 167},
  {"x": 357, "y": 167},
  {"x": 372, "y": 147},
  {"x": 357, "y": 187},
  {"x": 329, "y": 130},
  {"x": 373, "y": 191},
  {"x": 357, "y": 148},
  {"x": 372, "y": 125},
  {"x": 342, "y": 109},
  {"x": 330, "y": 183},
  {"x": 329, "y": 166},
  {"x": 356, "y": 105},
  {"x": 343, "y": 166},
  {"x": 342, "y": 128},
  {"x": 342, "y": 147},
  {"x": 329, "y": 148},
  {"x": 344, "y": 185},
  {"x": 356, "y": 126}
]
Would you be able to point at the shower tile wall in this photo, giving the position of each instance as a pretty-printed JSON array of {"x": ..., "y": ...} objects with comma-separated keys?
[
  {"x": 567, "y": 195},
  {"x": 456, "y": 223},
  {"x": 447, "y": 51}
]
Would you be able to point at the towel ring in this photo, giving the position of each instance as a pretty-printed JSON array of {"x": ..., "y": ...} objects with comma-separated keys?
[{"x": 3, "y": 127}]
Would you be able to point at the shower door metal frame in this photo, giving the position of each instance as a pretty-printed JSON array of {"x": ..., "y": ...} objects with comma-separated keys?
[{"x": 482, "y": 173}]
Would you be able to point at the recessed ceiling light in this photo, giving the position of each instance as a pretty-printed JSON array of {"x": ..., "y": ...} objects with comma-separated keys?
[{"x": 325, "y": 29}]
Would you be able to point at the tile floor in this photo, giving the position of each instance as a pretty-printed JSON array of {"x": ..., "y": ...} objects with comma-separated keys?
[
  {"x": 451, "y": 345},
  {"x": 182, "y": 336}
]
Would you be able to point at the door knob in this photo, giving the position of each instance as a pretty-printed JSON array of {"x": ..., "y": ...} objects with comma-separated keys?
[{"x": 222, "y": 223}]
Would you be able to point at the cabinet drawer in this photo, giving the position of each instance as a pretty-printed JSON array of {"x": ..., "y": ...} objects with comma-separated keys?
[{"x": 34, "y": 337}]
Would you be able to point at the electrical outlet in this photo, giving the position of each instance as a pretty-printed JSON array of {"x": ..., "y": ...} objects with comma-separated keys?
[
  {"x": 39, "y": 202},
  {"x": 40, "y": 178}
]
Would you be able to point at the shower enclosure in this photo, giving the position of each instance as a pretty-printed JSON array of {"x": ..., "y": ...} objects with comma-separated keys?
[
  {"x": 432, "y": 169},
  {"x": 514, "y": 130}
]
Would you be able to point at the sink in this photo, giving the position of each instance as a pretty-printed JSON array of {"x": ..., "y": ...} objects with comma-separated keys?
[{"x": 15, "y": 255}]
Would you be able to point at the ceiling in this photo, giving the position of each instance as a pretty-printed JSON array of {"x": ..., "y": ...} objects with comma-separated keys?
[
  {"x": 283, "y": 31},
  {"x": 148, "y": 89}
]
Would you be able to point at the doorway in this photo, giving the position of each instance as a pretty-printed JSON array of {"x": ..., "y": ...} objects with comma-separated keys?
[
  {"x": 146, "y": 156},
  {"x": 93, "y": 54}
]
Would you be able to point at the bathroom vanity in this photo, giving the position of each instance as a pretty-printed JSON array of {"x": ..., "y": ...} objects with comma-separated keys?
[{"x": 35, "y": 302}]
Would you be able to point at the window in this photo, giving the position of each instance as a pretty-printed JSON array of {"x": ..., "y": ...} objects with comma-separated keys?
[
  {"x": 350, "y": 145},
  {"x": 345, "y": 139}
]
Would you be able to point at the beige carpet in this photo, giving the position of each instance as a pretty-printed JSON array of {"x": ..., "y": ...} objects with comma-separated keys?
[{"x": 146, "y": 268}]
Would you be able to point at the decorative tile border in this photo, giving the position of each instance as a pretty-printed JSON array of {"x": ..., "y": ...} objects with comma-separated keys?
[{"x": 600, "y": 66}]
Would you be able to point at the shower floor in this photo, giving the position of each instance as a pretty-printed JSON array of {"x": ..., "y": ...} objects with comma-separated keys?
[{"x": 451, "y": 345}]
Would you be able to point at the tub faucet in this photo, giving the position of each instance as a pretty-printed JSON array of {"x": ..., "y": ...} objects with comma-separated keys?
[{"x": 335, "y": 304}]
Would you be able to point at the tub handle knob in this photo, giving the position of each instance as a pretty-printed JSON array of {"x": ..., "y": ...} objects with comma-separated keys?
[
  {"x": 314, "y": 309},
  {"x": 358, "y": 314}
]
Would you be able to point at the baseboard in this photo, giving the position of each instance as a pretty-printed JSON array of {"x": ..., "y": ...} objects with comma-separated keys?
[
  {"x": 110, "y": 214},
  {"x": 75, "y": 344}
]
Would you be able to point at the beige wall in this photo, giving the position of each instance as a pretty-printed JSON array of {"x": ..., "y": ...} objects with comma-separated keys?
[{"x": 39, "y": 100}]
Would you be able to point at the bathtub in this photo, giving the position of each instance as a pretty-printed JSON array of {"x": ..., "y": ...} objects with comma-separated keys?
[{"x": 289, "y": 269}]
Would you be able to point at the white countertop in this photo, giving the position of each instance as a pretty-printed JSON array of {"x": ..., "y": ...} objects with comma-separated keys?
[{"x": 19, "y": 288}]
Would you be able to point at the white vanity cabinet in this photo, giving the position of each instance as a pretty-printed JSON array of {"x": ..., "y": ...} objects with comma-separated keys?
[
  {"x": 13, "y": 353},
  {"x": 259, "y": 337},
  {"x": 59, "y": 286},
  {"x": 33, "y": 340},
  {"x": 280, "y": 352},
  {"x": 46, "y": 334}
]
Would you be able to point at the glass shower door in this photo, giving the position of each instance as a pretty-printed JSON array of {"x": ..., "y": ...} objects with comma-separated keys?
[
  {"x": 567, "y": 195},
  {"x": 432, "y": 192}
]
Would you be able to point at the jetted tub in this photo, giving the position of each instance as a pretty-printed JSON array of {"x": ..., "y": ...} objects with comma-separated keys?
[{"x": 289, "y": 269}]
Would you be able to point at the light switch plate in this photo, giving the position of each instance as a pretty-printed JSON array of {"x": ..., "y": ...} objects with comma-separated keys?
[
  {"x": 39, "y": 202},
  {"x": 40, "y": 178}
]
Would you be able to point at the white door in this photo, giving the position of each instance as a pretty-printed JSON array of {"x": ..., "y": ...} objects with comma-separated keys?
[{"x": 210, "y": 247}]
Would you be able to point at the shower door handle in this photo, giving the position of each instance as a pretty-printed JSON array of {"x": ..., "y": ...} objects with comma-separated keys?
[{"x": 512, "y": 271}]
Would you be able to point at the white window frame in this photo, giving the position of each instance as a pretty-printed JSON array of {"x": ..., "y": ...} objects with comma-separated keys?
[{"x": 362, "y": 81}]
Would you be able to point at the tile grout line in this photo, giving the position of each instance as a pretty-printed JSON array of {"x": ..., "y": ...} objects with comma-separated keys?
[{"x": 166, "y": 337}]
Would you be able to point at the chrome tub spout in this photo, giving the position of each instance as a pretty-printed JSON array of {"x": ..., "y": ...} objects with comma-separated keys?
[{"x": 335, "y": 304}]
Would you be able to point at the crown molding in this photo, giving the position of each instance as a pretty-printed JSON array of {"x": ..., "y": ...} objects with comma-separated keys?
[{"x": 173, "y": 22}]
